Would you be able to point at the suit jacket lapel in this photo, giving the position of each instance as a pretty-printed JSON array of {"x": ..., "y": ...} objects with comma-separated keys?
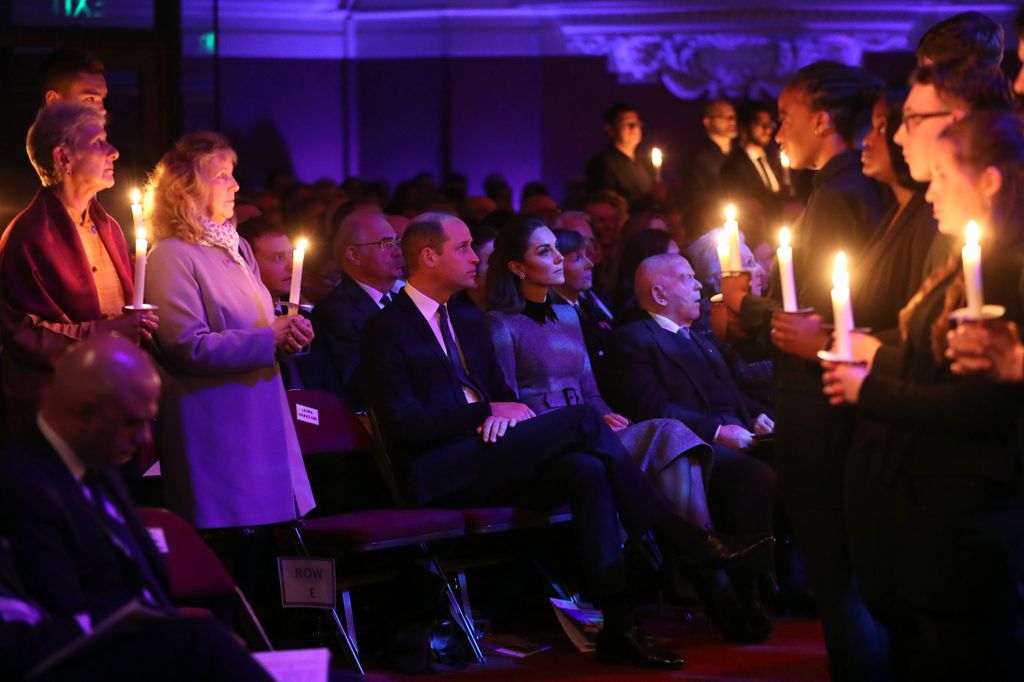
[
  {"x": 427, "y": 338},
  {"x": 673, "y": 351},
  {"x": 359, "y": 298}
]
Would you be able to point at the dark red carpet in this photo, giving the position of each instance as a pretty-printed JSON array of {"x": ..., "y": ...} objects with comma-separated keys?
[{"x": 794, "y": 653}]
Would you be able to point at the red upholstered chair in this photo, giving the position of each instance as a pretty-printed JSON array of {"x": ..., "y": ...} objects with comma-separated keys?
[
  {"x": 194, "y": 570},
  {"x": 339, "y": 431}
]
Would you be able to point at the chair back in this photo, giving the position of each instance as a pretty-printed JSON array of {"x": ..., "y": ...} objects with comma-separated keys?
[
  {"x": 195, "y": 571},
  {"x": 325, "y": 423},
  {"x": 384, "y": 464}
]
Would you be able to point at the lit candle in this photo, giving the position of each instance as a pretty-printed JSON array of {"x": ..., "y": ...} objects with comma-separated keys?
[
  {"x": 656, "y": 160},
  {"x": 784, "y": 160},
  {"x": 842, "y": 310},
  {"x": 972, "y": 269},
  {"x": 723, "y": 251},
  {"x": 297, "y": 257},
  {"x": 785, "y": 255},
  {"x": 140, "y": 248},
  {"x": 732, "y": 233}
]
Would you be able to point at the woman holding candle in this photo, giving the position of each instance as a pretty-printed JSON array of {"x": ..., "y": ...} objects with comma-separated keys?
[
  {"x": 951, "y": 461},
  {"x": 228, "y": 448},
  {"x": 65, "y": 272},
  {"x": 822, "y": 112}
]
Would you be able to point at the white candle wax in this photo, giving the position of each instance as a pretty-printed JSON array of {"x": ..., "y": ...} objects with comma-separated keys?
[
  {"x": 656, "y": 161},
  {"x": 971, "y": 254},
  {"x": 297, "y": 258},
  {"x": 785, "y": 256},
  {"x": 140, "y": 249},
  {"x": 842, "y": 310},
  {"x": 723, "y": 252},
  {"x": 732, "y": 232}
]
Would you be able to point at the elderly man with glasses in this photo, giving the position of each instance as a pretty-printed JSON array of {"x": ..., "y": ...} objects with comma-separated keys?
[{"x": 369, "y": 253}]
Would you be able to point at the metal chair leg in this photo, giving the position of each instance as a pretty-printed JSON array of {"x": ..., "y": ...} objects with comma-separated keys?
[
  {"x": 453, "y": 605},
  {"x": 347, "y": 643},
  {"x": 466, "y": 606}
]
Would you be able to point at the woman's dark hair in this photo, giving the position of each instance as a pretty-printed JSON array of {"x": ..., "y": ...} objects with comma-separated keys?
[
  {"x": 569, "y": 242},
  {"x": 893, "y": 96},
  {"x": 510, "y": 245},
  {"x": 968, "y": 38},
  {"x": 636, "y": 250},
  {"x": 979, "y": 87},
  {"x": 481, "y": 234},
  {"x": 847, "y": 93}
]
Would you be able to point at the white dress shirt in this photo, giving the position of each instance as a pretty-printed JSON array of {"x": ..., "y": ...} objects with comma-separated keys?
[
  {"x": 756, "y": 152},
  {"x": 430, "y": 309},
  {"x": 377, "y": 295}
]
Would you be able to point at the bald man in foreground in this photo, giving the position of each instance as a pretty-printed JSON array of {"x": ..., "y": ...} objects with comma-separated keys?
[
  {"x": 75, "y": 539},
  {"x": 661, "y": 368}
]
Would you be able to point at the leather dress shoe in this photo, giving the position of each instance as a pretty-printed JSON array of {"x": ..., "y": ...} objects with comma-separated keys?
[
  {"x": 728, "y": 613},
  {"x": 634, "y": 647},
  {"x": 715, "y": 552}
]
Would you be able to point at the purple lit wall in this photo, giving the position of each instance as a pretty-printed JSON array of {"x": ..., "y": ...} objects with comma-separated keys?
[{"x": 283, "y": 114}]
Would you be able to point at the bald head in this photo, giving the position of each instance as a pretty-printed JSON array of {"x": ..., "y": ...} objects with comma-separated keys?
[
  {"x": 104, "y": 394},
  {"x": 665, "y": 285}
]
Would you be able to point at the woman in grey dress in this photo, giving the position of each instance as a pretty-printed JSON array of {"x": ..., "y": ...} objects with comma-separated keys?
[
  {"x": 229, "y": 454},
  {"x": 542, "y": 354}
]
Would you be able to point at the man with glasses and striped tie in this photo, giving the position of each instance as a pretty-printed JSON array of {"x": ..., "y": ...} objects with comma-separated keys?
[{"x": 369, "y": 253}]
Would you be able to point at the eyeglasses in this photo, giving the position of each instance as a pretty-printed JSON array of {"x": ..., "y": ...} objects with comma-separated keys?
[
  {"x": 384, "y": 244},
  {"x": 911, "y": 121}
]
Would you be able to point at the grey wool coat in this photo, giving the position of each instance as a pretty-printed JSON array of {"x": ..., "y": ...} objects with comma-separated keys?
[
  {"x": 547, "y": 367},
  {"x": 227, "y": 445}
]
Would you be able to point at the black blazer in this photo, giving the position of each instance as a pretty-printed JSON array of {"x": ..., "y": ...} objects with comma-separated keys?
[
  {"x": 409, "y": 382},
  {"x": 741, "y": 179},
  {"x": 61, "y": 548},
  {"x": 893, "y": 266},
  {"x": 338, "y": 321},
  {"x": 939, "y": 424},
  {"x": 652, "y": 376}
]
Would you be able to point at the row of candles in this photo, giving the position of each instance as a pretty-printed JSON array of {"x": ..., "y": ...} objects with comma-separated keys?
[
  {"x": 842, "y": 308},
  {"x": 142, "y": 246}
]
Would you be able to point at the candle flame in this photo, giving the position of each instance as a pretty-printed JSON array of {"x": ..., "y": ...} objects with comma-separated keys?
[
  {"x": 301, "y": 244},
  {"x": 784, "y": 159},
  {"x": 656, "y": 157},
  {"x": 730, "y": 212},
  {"x": 973, "y": 233},
  {"x": 136, "y": 196},
  {"x": 784, "y": 237}
]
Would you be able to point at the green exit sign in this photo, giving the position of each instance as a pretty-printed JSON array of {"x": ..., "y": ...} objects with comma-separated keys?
[{"x": 78, "y": 9}]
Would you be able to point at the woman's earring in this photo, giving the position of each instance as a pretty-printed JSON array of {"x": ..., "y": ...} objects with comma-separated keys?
[{"x": 522, "y": 275}]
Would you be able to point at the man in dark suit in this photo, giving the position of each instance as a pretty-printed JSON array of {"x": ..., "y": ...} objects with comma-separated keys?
[
  {"x": 618, "y": 168},
  {"x": 77, "y": 544},
  {"x": 753, "y": 170},
  {"x": 459, "y": 439},
  {"x": 660, "y": 369},
  {"x": 702, "y": 167},
  {"x": 369, "y": 253}
]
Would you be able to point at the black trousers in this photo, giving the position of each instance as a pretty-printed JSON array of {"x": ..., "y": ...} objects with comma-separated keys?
[
  {"x": 570, "y": 456},
  {"x": 741, "y": 493},
  {"x": 811, "y": 443}
]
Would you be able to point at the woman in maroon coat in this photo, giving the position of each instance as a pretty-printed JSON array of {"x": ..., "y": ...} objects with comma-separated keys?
[{"x": 64, "y": 265}]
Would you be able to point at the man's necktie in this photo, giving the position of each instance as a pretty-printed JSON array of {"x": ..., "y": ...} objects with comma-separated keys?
[
  {"x": 113, "y": 521},
  {"x": 385, "y": 299},
  {"x": 453, "y": 352},
  {"x": 766, "y": 174}
]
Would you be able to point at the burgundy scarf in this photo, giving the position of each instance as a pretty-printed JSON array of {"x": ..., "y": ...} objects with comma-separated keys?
[{"x": 43, "y": 267}]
